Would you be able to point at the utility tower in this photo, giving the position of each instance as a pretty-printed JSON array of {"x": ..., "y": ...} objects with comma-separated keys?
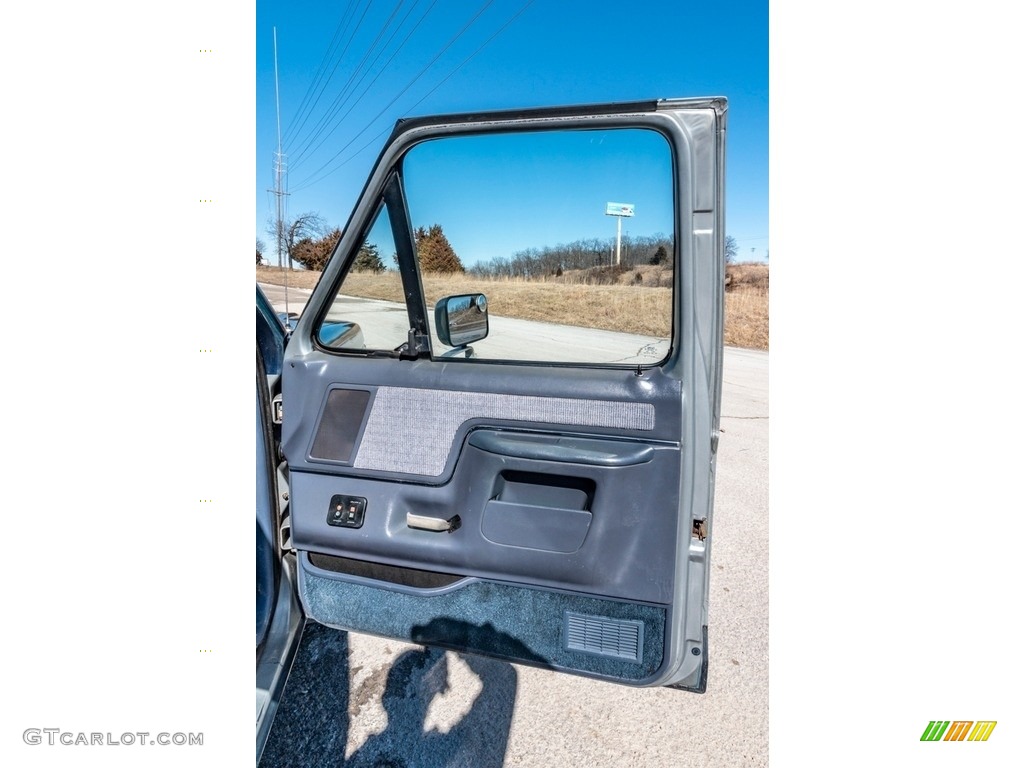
[{"x": 280, "y": 168}]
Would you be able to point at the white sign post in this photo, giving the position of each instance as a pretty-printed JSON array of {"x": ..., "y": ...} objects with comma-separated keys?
[{"x": 618, "y": 210}]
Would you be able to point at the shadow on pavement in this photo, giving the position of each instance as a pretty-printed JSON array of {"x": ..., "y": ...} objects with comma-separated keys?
[{"x": 312, "y": 725}]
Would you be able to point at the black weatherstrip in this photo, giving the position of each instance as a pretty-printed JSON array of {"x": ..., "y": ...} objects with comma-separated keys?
[{"x": 401, "y": 227}]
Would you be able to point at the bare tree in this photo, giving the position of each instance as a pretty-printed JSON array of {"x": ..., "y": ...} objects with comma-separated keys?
[
  {"x": 260, "y": 248},
  {"x": 305, "y": 226},
  {"x": 731, "y": 249}
]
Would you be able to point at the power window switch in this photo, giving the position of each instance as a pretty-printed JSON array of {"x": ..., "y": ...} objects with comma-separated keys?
[{"x": 346, "y": 511}]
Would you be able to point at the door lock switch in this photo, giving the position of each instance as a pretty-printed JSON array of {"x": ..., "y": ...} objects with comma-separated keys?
[{"x": 346, "y": 511}]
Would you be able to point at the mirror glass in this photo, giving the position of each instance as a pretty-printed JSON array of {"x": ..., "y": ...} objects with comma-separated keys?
[{"x": 461, "y": 320}]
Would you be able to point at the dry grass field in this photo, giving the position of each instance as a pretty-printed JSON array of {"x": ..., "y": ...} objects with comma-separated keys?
[
  {"x": 634, "y": 301},
  {"x": 746, "y": 306}
]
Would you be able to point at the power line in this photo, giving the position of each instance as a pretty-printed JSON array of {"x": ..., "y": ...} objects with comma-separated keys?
[
  {"x": 380, "y": 72},
  {"x": 325, "y": 118},
  {"x": 323, "y": 68},
  {"x": 345, "y": 94},
  {"x": 346, "y": 18},
  {"x": 306, "y": 182},
  {"x": 471, "y": 56}
]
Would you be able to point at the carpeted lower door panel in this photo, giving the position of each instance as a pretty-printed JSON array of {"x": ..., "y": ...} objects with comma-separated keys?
[{"x": 551, "y": 629}]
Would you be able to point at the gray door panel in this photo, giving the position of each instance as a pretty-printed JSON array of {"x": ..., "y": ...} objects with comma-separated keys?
[
  {"x": 513, "y": 524},
  {"x": 569, "y": 526},
  {"x": 428, "y": 407}
]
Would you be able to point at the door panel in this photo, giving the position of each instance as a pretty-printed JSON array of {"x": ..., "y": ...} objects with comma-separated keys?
[
  {"x": 412, "y": 425},
  {"x": 604, "y": 542},
  {"x": 453, "y": 476},
  {"x": 547, "y": 511}
]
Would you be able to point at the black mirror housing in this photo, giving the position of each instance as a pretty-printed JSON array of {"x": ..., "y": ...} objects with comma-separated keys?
[{"x": 462, "y": 319}]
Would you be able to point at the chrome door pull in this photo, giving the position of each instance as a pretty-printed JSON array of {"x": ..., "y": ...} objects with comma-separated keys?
[{"x": 438, "y": 524}]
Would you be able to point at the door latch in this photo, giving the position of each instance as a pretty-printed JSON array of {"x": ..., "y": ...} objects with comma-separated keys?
[
  {"x": 700, "y": 529},
  {"x": 277, "y": 409}
]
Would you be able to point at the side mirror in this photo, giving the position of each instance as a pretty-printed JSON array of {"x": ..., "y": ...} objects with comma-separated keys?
[
  {"x": 341, "y": 335},
  {"x": 461, "y": 320}
]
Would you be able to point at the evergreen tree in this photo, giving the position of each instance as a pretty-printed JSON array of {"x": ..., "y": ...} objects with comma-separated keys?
[
  {"x": 435, "y": 252},
  {"x": 368, "y": 259},
  {"x": 314, "y": 253}
]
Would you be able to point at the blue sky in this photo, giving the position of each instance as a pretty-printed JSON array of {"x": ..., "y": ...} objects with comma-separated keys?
[
  {"x": 496, "y": 195},
  {"x": 552, "y": 53}
]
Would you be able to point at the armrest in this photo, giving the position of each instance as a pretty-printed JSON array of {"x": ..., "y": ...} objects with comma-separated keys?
[{"x": 568, "y": 450}]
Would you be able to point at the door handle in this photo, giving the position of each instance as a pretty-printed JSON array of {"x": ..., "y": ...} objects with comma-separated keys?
[{"x": 436, "y": 524}]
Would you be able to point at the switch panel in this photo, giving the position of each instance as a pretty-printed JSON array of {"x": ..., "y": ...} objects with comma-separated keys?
[{"x": 346, "y": 511}]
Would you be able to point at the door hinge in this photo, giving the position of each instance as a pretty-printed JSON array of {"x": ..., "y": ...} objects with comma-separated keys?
[
  {"x": 277, "y": 409},
  {"x": 700, "y": 529}
]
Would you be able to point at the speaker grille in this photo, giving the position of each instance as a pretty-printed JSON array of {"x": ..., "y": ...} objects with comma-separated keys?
[
  {"x": 339, "y": 425},
  {"x": 604, "y": 637}
]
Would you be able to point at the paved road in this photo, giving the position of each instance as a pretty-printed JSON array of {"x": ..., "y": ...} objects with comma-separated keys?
[
  {"x": 563, "y": 720},
  {"x": 385, "y": 325}
]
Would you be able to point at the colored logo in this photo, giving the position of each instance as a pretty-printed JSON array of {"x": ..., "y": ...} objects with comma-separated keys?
[{"x": 958, "y": 730}]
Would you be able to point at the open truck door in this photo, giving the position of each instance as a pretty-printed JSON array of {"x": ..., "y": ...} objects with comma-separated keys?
[{"x": 536, "y": 491}]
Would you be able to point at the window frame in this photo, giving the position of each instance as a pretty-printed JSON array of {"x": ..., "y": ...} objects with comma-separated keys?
[{"x": 392, "y": 197}]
